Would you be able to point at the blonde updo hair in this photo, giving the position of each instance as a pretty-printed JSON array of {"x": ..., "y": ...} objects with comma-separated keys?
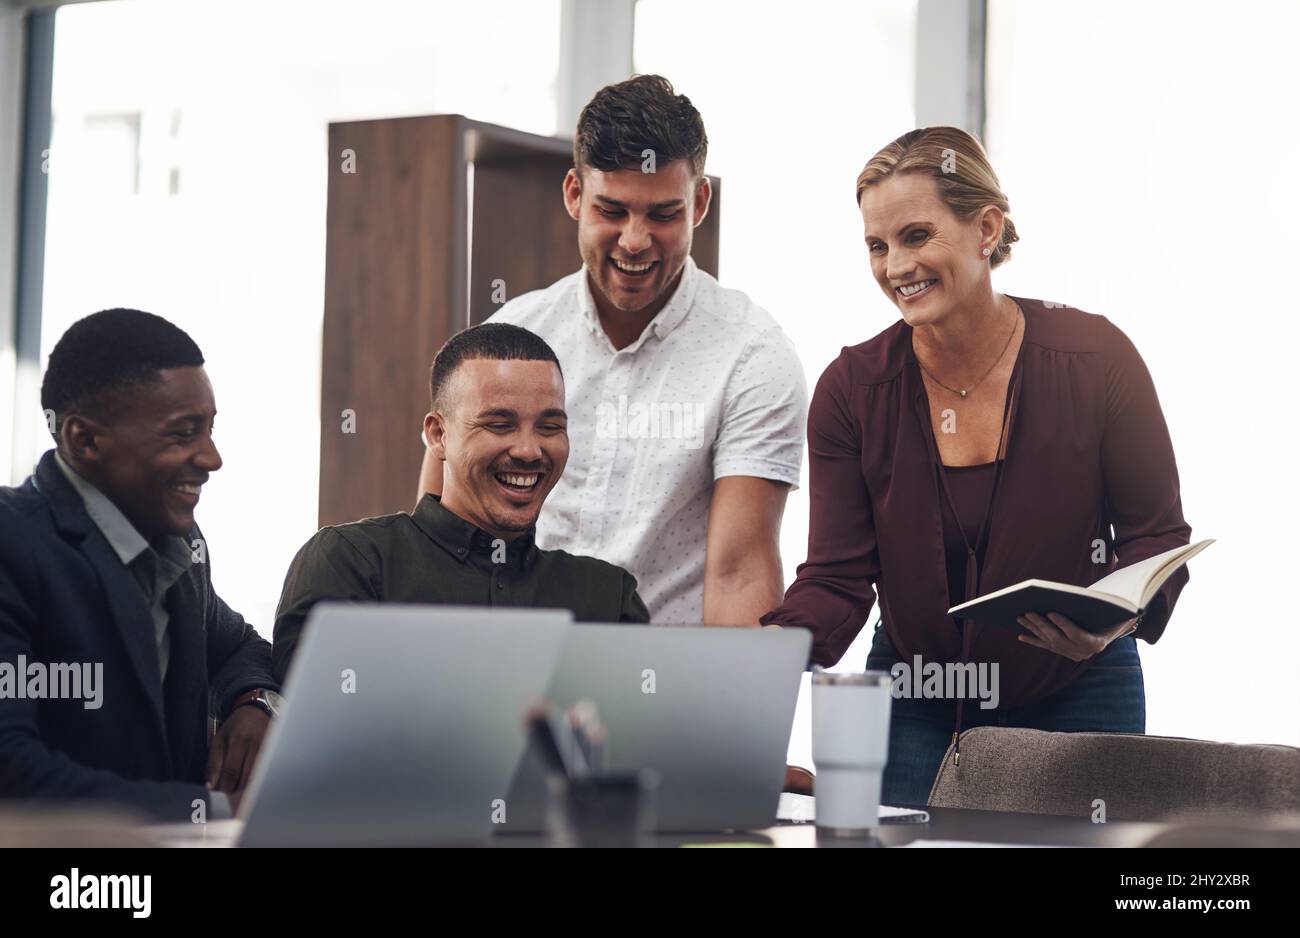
[{"x": 960, "y": 169}]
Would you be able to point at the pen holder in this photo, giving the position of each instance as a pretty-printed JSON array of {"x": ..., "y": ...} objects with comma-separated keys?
[{"x": 607, "y": 809}]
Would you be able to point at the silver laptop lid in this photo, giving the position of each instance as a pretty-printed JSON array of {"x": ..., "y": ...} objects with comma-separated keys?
[
  {"x": 710, "y": 709},
  {"x": 402, "y": 725}
]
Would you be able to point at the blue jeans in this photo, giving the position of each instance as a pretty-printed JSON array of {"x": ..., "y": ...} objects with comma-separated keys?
[{"x": 1108, "y": 698}]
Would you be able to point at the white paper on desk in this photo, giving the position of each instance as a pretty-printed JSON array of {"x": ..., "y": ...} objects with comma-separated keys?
[
  {"x": 223, "y": 833},
  {"x": 803, "y": 809}
]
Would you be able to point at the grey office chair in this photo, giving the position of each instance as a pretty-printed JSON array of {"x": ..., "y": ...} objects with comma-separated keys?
[{"x": 1139, "y": 778}]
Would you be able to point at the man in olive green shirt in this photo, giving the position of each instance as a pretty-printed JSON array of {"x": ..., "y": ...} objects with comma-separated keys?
[{"x": 498, "y": 424}]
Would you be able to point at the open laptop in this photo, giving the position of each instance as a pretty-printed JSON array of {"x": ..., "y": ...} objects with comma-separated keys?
[
  {"x": 402, "y": 725},
  {"x": 710, "y": 709}
]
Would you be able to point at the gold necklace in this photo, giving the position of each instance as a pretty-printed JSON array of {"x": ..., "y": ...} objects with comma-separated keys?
[{"x": 964, "y": 391}]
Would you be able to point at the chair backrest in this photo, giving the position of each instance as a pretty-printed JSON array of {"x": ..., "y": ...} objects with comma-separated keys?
[{"x": 1139, "y": 778}]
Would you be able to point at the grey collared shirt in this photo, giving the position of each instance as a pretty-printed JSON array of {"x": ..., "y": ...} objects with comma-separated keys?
[{"x": 155, "y": 566}]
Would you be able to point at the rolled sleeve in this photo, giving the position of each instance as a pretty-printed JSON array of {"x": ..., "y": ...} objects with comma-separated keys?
[{"x": 765, "y": 414}]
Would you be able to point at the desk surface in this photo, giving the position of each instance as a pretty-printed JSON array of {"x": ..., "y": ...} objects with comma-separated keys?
[{"x": 946, "y": 825}]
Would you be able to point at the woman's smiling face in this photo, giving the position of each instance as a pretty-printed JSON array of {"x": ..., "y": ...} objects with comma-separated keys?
[{"x": 926, "y": 260}]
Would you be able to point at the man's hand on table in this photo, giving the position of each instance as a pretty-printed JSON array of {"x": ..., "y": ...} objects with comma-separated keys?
[{"x": 234, "y": 752}]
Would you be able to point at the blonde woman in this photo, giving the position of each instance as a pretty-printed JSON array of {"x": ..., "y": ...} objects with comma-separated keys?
[{"x": 981, "y": 440}]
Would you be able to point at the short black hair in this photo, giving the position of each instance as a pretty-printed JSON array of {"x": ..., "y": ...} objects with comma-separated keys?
[
  {"x": 107, "y": 354},
  {"x": 643, "y": 113},
  {"x": 492, "y": 341}
]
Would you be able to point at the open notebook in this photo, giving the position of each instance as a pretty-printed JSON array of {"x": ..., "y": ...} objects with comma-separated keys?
[{"x": 1113, "y": 599}]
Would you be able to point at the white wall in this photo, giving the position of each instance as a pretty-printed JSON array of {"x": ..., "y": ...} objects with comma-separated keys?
[{"x": 234, "y": 98}]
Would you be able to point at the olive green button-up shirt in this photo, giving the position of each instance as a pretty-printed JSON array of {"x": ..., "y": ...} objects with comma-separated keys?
[{"x": 433, "y": 556}]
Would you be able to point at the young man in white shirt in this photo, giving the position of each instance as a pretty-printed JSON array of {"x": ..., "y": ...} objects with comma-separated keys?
[{"x": 687, "y": 402}]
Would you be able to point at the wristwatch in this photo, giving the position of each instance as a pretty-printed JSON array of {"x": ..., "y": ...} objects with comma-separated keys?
[{"x": 267, "y": 700}]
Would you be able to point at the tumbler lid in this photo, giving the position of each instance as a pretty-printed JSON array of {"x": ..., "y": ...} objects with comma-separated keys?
[{"x": 853, "y": 678}]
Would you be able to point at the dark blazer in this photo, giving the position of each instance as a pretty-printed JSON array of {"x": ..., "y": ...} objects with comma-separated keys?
[{"x": 65, "y": 596}]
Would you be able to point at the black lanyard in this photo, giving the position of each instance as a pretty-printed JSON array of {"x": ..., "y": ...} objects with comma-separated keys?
[
  {"x": 1008, "y": 418},
  {"x": 981, "y": 539},
  {"x": 972, "y": 552}
]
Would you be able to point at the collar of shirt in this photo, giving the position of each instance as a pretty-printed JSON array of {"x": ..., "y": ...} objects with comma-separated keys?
[
  {"x": 126, "y": 541},
  {"x": 462, "y": 539},
  {"x": 171, "y": 554},
  {"x": 665, "y": 321}
]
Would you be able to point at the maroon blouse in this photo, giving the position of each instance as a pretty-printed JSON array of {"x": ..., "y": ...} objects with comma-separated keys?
[{"x": 1088, "y": 457}]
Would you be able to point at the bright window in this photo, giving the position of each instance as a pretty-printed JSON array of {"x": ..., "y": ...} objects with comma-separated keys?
[
  {"x": 188, "y": 174},
  {"x": 794, "y": 105}
]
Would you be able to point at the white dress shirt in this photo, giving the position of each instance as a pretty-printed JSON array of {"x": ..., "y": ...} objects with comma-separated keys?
[{"x": 711, "y": 388}]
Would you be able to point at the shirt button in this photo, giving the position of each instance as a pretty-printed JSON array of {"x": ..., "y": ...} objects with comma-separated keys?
[{"x": 460, "y": 551}]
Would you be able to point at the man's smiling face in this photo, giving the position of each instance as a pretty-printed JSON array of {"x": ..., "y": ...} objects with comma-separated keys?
[
  {"x": 503, "y": 433},
  {"x": 635, "y": 229},
  {"x": 155, "y": 452}
]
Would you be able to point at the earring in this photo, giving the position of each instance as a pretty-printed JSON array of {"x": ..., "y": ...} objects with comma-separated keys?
[{"x": 988, "y": 251}]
